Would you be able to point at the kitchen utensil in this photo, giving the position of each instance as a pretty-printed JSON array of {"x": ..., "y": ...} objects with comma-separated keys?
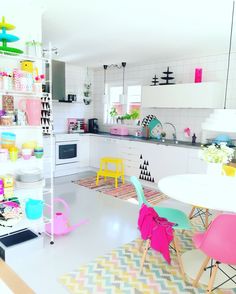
[
  {"x": 61, "y": 221},
  {"x": 13, "y": 153},
  {"x": 8, "y": 140},
  {"x": 28, "y": 66},
  {"x": 26, "y": 153},
  {"x": 29, "y": 175},
  {"x": 93, "y": 125},
  {"x": 32, "y": 108},
  {"x": 34, "y": 208},
  {"x": 29, "y": 145}
]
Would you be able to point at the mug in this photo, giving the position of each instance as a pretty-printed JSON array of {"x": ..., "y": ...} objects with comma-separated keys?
[
  {"x": 32, "y": 108},
  {"x": 26, "y": 153}
]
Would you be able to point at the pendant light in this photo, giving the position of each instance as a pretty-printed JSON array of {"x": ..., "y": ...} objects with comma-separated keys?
[
  {"x": 223, "y": 120},
  {"x": 105, "y": 96},
  {"x": 122, "y": 96}
]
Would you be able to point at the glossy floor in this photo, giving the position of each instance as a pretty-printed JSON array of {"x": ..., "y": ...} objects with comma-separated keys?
[{"x": 111, "y": 223}]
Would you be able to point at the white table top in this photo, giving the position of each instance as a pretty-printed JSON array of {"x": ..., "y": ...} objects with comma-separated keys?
[{"x": 213, "y": 192}]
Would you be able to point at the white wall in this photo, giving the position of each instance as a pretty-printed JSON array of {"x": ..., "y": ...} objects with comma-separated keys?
[
  {"x": 75, "y": 78},
  {"x": 214, "y": 69}
]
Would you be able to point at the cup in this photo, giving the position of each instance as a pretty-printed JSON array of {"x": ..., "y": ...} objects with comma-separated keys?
[
  {"x": 13, "y": 153},
  {"x": 38, "y": 152},
  {"x": 26, "y": 153}
]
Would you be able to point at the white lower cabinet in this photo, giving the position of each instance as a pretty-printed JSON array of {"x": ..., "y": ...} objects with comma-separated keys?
[
  {"x": 48, "y": 157},
  {"x": 149, "y": 162},
  {"x": 84, "y": 151}
]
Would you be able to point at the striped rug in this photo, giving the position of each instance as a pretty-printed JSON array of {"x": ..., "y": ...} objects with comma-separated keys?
[
  {"x": 117, "y": 272},
  {"x": 124, "y": 191}
]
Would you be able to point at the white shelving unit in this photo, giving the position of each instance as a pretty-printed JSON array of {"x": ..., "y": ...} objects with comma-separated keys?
[{"x": 23, "y": 134}]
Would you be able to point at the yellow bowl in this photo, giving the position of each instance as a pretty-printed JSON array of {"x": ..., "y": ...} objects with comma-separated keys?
[{"x": 29, "y": 145}]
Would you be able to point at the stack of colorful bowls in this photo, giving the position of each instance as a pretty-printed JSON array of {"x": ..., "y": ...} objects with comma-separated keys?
[{"x": 38, "y": 152}]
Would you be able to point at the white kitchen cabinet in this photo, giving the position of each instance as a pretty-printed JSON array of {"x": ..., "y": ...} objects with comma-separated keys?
[
  {"x": 102, "y": 147},
  {"x": 192, "y": 95},
  {"x": 195, "y": 164},
  {"x": 84, "y": 150}
]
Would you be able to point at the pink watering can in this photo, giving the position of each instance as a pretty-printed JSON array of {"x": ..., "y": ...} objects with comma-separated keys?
[{"x": 61, "y": 222}]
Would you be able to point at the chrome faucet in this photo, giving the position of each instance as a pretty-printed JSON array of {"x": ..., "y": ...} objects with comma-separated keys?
[{"x": 174, "y": 133}]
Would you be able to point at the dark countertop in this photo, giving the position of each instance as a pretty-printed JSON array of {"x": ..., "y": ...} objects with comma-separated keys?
[{"x": 167, "y": 142}]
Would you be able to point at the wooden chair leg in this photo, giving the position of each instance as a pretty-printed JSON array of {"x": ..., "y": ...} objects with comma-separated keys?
[
  {"x": 144, "y": 254},
  {"x": 205, "y": 263},
  {"x": 140, "y": 246},
  {"x": 123, "y": 179},
  {"x": 207, "y": 219},
  {"x": 116, "y": 182},
  {"x": 192, "y": 212},
  {"x": 212, "y": 278},
  {"x": 178, "y": 256}
]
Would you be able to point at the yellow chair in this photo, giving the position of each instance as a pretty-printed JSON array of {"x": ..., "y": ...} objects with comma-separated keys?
[
  {"x": 105, "y": 172},
  {"x": 202, "y": 211}
]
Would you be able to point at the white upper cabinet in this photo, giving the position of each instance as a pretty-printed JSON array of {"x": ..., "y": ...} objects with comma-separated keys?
[{"x": 194, "y": 95}]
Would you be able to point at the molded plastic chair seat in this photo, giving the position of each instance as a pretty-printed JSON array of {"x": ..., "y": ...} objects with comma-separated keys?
[
  {"x": 173, "y": 215},
  {"x": 218, "y": 243}
]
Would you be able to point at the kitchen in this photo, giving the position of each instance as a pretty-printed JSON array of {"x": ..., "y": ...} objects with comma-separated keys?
[{"x": 108, "y": 102}]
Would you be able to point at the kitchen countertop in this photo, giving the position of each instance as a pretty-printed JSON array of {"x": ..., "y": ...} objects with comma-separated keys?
[{"x": 167, "y": 142}]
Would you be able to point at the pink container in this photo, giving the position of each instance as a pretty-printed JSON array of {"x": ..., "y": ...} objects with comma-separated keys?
[
  {"x": 32, "y": 108},
  {"x": 120, "y": 130},
  {"x": 198, "y": 75}
]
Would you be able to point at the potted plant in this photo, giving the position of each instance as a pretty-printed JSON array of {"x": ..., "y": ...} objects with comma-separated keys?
[
  {"x": 113, "y": 114},
  {"x": 216, "y": 155}
]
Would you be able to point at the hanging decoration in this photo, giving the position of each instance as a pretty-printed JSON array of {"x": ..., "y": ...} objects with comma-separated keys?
[
  {"x": 8, "y": 38},
  {"x": 87, "y": 90}
]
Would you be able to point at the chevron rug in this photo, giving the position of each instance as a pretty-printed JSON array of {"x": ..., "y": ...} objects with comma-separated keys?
[
  {"x": 124, "y": 191},
  {"x": 118, "y": 273}
]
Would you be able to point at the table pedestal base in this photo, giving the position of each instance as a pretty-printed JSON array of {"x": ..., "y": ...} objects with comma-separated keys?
[{"x": 192, "y": 261}]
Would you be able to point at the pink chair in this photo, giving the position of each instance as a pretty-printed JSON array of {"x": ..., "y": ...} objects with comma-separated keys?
[{"x": 219, "y": 244}]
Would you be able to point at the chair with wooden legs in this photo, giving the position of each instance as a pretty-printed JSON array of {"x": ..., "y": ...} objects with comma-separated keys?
[
  {"x": 173, "y": 215},
  {"x": 218, "y": 243},
  {"x": 203, "y": 212},
  {"x": 105, "y": 171}
]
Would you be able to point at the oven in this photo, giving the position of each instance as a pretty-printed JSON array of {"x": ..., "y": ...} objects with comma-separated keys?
[{"x": 67, "y": 152}]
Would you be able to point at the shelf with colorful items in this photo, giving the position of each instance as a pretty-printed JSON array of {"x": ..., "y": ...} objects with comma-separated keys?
[{"x": 15, "y": 205}]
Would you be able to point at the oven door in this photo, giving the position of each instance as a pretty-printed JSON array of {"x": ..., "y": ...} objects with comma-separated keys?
[{"x": 67, "y": 152}]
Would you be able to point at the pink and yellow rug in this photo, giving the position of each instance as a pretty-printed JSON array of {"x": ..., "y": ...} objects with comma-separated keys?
[{"x": 124, "y": 191}]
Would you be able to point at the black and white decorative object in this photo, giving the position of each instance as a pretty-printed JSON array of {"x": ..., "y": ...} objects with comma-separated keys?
[
  {"x": 155, "y": 81},
  {"x": 46, "y": 117},
  {"x": 144, "y": 172},
  {"x": 167, "y": 78},
  {"x": 147, "y": 119}
]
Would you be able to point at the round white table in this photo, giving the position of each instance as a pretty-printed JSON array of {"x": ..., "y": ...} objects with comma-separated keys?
[{"x": 213, "y": 192}]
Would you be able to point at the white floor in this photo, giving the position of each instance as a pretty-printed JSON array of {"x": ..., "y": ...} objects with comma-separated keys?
[{"x": 111, "y": 223}]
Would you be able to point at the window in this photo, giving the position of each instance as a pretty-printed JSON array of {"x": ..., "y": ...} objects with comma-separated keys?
[{"x": 116, "y": 107}]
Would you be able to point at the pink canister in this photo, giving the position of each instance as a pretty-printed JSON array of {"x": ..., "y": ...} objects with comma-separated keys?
[{"x": 3, "y": 154}]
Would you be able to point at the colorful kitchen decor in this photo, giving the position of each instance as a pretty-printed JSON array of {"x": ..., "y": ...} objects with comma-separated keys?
[
  {"x": 153, "y": 124},
  {"x": 198, "y": 75},
  {"x": 5, "y": 38},
  {"x": 61, "y": 220},
  {"x": 32, "y": 107},
  {"x": 155, "y": 81},
  {"x": 7, "y": 103},
  {"x": 8, "y": 140},
  {"x": 167, "y": 77},
  {"x": 34, "y": 208}
]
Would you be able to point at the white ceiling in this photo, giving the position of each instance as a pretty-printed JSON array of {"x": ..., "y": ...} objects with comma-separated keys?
[{"x": 96, "y": 32}]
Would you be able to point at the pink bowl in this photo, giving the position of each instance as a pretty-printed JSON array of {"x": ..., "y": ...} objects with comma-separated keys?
[{"x": 26, "y": 156}]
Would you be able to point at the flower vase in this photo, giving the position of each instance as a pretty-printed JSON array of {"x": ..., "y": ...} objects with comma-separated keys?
[{"x": 214, "y": 168}]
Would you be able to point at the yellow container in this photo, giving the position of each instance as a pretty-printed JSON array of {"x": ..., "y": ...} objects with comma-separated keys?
[
  {"x": 28, "y": 65},
  {"x": 29, "y": 145},
  {"x": 8, "y": 192},
  {"x": 13, "y": 153},
  {"x": 8, "y": 181}
]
